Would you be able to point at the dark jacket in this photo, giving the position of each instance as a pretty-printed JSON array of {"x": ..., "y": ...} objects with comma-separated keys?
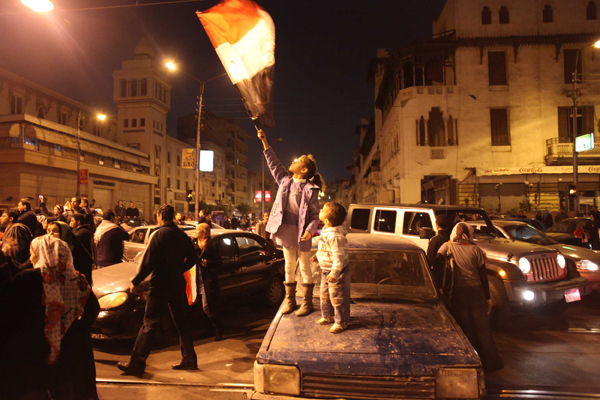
[
  {"x": 83, "y": 256},
  {"x": 120, "y": 211},
  {"x": 132, "y": 212},
  {"x": 435, "y": 243},
  {"x": 169, "y": 254},
  {"x": 29, "y": 219},
  {"x": 110, "y": 247},
  {"x": 89, "y": 218}
]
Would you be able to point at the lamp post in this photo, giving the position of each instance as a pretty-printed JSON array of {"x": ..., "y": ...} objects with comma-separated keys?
[
  {"x": 172, "y": 67},
  {"x": 575, "y": 95},
  {"x": 101, "y": 117}
]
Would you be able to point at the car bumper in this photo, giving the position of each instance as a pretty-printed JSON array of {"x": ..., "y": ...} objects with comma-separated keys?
[
  {"x": 118, "y": 324},
  {"x": 548, "y": 293}
]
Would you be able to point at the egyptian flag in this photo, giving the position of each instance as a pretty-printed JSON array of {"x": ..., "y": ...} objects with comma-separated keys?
[{"x": 243, "y": 35}]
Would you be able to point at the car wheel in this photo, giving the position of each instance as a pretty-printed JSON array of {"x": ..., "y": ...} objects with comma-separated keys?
[
  {"x": 275, "y": 291},
  {"x": 500, "y": 313}
]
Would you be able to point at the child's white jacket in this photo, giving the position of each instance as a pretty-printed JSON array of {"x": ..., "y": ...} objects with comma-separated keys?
[{"x": 333, "y": 250}]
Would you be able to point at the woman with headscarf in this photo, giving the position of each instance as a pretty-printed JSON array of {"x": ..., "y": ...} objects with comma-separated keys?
[
  {"x": 49, "y": 310},
  {"x": 470, "y": 297}
]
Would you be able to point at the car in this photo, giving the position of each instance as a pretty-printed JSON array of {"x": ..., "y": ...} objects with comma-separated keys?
[
  {"x": 564, "y": 232},
  {"x": 134, "y": 222},
  {"x": 139, "y": 238},
  {"x": 520, "y": 274},
  {"x": 586, "y": 261},
  {"x": 401, "y": 342},
  {"x": 531, "y": 221},
  {"x": 245, "y": 265}
]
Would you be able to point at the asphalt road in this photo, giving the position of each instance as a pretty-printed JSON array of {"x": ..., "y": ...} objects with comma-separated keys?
[{"x": 542, "y": 354}]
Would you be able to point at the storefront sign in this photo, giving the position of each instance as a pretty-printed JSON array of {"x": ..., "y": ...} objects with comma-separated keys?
[
  {"x": 267, "y": 196},
  {"x": 180, "y": 196},
  {"x": 187, "y": 158},
  {"x": 258, "y": 196},
  {"x": 557, "y": 170},
  {"x": 104, "y": 183},
  {"x": 584, "y": 142},
  {"x": 83, "y": 176}
]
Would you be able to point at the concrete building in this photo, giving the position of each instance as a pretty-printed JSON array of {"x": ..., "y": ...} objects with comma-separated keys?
[{"x": 480, "y": 113}]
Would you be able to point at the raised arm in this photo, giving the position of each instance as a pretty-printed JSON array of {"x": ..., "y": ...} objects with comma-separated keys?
[{"x": 277, "y": 169}]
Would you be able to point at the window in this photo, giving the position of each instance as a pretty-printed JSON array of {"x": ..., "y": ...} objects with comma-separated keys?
[
  {"x": 504, "y": 16},
  {"x": 63, "y": 118},
  {"x": 32, "y": 142},
  {"x": 497, "y": 68},
  {"x": 414, "y": 221},
  {"x": 125, "y": 123},
  {"x": 134, "y": 87},
  {"x": 123, "y": 88},
  {"x": 57, "y": 147},
  {"x": 548, "y": 14},
  {"x": 101, "y": 160},
  {"x": 168, "y": 182},
  {"x": 41, "y": 113},
  {"x": 572, "y": 60},
  {"x": 585, "y": 122},
  {"x": 592, "y": 11},
  {"x": 178, "y": 185},
  {"x": 116, "y": 163},
  {"x": 360, "y": 219},
  {"x": 227, "y": 248},
  {"x": 499, "y": 126},
  {"x": 178, "y": 160},
  {"x": 133, "y": 123},
  {"x": 435, "y": 127},
  {"x": 142, "y": 122},
  {"x": 249, "y": 248},
  {"x": 385, "y": 221},
  {"x": 144, "y": 87},
  {"x": 16, "y": 105},
  {"x": 486, "y": 16},
  {"x": 169, "y": 157}
]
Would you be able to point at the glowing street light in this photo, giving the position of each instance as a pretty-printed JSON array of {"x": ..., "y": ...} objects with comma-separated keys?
[
  {"x": 597, "y": 44},
  {"x": 39, "y": 5},
  {"x": 170, "y": 65},
  {"x": 101, "y": 117}
]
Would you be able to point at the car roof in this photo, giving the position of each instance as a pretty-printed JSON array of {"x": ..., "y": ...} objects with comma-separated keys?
[
  {"x": 384, "y": 242},
  {"x": 508, "y": 222},
  {"x": 434, "y": 207}
]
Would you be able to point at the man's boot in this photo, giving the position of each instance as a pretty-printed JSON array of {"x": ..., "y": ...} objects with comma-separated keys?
[
  {"x": 307, "y": 303},
  {"x": 289, "y": 303}
]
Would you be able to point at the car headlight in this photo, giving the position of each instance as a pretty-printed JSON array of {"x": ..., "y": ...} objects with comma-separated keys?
[
  {"x": 459, "y": 383},
  {"x": 276, "y": 379},
  {"x": 590, "y": 266},
  {"x": 112, "y": 300},
  {"x": 561, "y": 260},
  {"x": 524, "y": 265}
]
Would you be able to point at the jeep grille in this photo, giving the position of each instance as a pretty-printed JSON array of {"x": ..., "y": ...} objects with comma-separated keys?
[{"x": 544, "y": 269}]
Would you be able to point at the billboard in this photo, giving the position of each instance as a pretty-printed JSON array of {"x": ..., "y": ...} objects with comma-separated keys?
[
  {"x": 207, "y": 160},
  {"x": 187, "y": 158},
  {"x": 584, "y": 142}
]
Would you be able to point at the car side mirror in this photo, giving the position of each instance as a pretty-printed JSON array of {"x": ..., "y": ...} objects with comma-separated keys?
[{"x": 426, "y": 233}]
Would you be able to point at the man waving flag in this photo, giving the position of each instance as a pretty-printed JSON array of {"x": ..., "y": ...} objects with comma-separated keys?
[{"x": 243, "y": 35}]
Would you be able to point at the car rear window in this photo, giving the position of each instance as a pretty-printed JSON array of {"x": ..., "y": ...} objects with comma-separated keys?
[
  {"x": 385, "y": 221},
  {"x": 360, "y": 219}
]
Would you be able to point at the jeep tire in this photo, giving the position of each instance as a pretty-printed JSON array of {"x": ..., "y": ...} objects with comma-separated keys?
[{"x": 500, "y": 313}]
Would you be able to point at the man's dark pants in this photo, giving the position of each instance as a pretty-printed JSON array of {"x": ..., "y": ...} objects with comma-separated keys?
[{"x": 156, "y": 305}]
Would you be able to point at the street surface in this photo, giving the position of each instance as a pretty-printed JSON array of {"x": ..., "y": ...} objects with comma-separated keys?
[{"x": 544, "y": 353}]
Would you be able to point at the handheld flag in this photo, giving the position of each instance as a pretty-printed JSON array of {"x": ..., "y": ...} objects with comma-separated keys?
[{"x": 243, "y": 35}]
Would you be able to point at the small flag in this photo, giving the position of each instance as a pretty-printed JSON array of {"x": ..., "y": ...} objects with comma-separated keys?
[{"x": 243, "y": 35}]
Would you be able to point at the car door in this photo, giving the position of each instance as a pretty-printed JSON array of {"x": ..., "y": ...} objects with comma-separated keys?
[
  {"x": 137, "y": 242},
  {"x": 256, "y": 258},
  {"x": 226, "y": 264},
  {"x": 412, "y": 222}
]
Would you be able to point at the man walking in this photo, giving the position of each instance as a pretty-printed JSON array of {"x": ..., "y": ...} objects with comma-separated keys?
[
  {"x": 109, "y": 240},
  {"x": 169, "y": 254}
]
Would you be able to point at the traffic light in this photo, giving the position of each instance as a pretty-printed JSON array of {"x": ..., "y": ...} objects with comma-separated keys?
[
  {"x": 572, "y": 190},
  {"x": 190, "y": 198}
]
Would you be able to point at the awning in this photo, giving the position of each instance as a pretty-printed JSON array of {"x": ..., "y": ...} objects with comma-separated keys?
[{"x": 556, "y": 170}]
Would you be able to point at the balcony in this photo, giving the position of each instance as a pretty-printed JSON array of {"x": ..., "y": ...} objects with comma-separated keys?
[{"x": 562, "y": 153}]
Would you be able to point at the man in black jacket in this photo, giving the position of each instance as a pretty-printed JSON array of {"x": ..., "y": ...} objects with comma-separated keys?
[
  {"x": 83, "y": 258},
  {"x": 27, "y": 216},
  {"x": 169, "y": 254},
  {"x": 87, "y": 213},
  {"x": 438, "y": 240},
  {"x": 109, "y": 239}
]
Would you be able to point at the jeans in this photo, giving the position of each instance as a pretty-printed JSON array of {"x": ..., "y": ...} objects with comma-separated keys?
[{"x": 335, "y": 297}]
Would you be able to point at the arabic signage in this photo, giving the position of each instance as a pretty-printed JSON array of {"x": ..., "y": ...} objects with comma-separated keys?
[
  {"x": 584, "y": 142},
  {"x": 566, "y": 169},
  {"x": 83, "y": 176},
  {"x": 187, "y": 158}
]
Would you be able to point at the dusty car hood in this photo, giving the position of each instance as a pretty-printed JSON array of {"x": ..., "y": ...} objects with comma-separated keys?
[
  {"x": 116, "y": 278},
  {"x": 502, "y": 247},
  {"x": 576, "y": 253},
  {"x": 382, "y": 339}
]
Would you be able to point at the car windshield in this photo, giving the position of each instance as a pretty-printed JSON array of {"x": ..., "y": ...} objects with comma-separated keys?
[
  {"x": 526, "y": 233},
  {"x": 563, "y": 227},
  {"x": 455, "y": 216},
  {"x": 392, "y": 275}
]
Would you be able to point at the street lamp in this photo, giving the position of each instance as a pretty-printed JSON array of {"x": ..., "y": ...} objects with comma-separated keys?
[
  {"x": 101, "y": 117},
  {"x": 575, "y": 95},
  {"x": 171, "y": 66},
  {"x": 39, "y": 5}
]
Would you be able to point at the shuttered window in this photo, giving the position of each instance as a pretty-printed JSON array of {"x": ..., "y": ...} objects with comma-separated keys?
[
  {"x": 585, "y": 122},
  {"x": 497, "y": 68},
  {"x": 499, "y": 127}
]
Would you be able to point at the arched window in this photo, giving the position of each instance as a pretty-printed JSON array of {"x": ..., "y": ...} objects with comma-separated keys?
[
  {"x": 504, "y": 16},
  {"x": 592, "y": 11},
  {"x": 486, "y": 16},
  {"x": 435, "y": 127},
  {"x": 41, "y": 113},
  {"x": 408, "y": 75},
  {"x": 548, "y": 14},
  {"x": 134, "y": 87},
  {"x": 123, "y": 88}
]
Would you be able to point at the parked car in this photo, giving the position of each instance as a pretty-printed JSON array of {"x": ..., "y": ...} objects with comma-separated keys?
[
  {"x": 520, "y": 274},
  {"x": 564, "y": 232},
  {"x": 531, "y": 221},
  {"x": 245, "y": 265},
  {"x": 586, "y": 261},
  {"x": 140, "y": 237},
  {"x": 401, "y": 341}
]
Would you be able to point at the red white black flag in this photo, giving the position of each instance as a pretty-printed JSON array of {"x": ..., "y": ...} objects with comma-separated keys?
[{"x": 243, "y": 35}]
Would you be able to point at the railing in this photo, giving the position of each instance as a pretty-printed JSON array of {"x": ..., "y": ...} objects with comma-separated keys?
[{"x": 555, "y": 150}]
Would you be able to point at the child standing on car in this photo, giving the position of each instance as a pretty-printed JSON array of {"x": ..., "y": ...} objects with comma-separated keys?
[
  {"x": 333, "y": 260},
  {"x": 294, "y": 220}
]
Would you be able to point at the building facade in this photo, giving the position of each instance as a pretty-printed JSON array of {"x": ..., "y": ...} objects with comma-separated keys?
[{"x": 481, "y": 113}]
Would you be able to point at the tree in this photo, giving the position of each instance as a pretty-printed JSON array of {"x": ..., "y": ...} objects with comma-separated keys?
[{"x": 244, "y": 208}]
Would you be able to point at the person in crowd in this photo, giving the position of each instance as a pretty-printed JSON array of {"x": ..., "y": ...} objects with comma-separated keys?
[
  {"x": 179, "y": 219},
  {"x": 207, "y": 285},
  {"x": 562, "y": 215},
  {"x": 204, "y": 219},
  {"x": 16, "y": 240},
  {"x": 245, "y": 223},
  {"x": 470, "y": 299},
  {"x": 235, "y": 223},
  {"x": 45, "y": 337},
  {"x": 443, "y": 235},
  {"x": 57, "y": 212},
  {"x": 88, "y": 214},
  {"x": 262, "y": 225},
  {"x": 109, "y": 239},
  {"x": 27, "y": 216},
  {"x": 132, "y": 211},
  {"x": 295, "y": 217},
  {"x": 74, "y": 208},
  {"x": 83, "y": 254},
  {"x": 547, "y": 219},
  {"x": 169, "y": 254},
  {"x": 120, "y": 210},
  {"x": 226, "y": 222},
  {"x": 539, "y": 216},
  {"x": 333, "y": 260}
]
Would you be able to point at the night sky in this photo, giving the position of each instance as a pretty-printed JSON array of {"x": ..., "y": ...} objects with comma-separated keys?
[{"x": 323, "y": 49}]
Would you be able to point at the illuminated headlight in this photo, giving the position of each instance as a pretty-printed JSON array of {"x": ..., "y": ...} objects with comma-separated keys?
[
  {"x": 276, "y": 379},
  {"x": 112, "y": 300},
  {"x": 454, "y": 383},
  {"x": 528, "y": 295},
  {"x": 561, "y": 261},
  {"x": 590, "y": 266},
  {"x": 524, "y": 265}
]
